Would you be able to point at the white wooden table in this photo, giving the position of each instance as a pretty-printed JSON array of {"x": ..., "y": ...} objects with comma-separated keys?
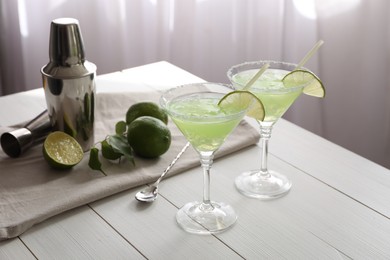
[{"x": 338, "y": 208}]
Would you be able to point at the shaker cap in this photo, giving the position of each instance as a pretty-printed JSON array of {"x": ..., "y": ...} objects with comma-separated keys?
[
  {"x": 66, "y": 45},
  {"x": 66, "y": 51}
]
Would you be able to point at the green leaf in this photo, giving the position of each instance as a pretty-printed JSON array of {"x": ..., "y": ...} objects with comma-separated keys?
[
  {"x": 94, "y": 162},
  {"x": 120, "y": 127},
  {"x": 120, "y": 145},
  {"x": 108, "y": 152}
]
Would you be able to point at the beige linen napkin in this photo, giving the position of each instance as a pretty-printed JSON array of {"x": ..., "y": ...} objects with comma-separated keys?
[{"x": 30, "y": 191}]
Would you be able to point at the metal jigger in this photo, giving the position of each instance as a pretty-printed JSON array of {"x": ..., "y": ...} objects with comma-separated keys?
[
  {"x": 15, "y": 142},
  {"x": 69, "y": 83}
]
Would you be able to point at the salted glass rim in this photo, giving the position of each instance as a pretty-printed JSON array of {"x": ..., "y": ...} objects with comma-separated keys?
[
  {"x": 251, "y": 65},
  {"x": 169, "y": 95}
]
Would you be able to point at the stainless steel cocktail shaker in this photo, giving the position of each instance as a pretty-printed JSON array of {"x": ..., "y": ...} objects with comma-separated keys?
[{"x": 69, "y": 83}]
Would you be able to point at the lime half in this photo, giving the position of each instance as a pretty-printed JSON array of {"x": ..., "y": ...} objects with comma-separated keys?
[
  {"x": 61, "y": 150},
  {"x": 241, "y": 100},
  {"x": 314, "y": 85}
]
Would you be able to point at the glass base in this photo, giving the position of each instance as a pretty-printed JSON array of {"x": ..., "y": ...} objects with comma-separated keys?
[
  {"x": 253, "y": 185},
  {"x": 199, "y": 218}
]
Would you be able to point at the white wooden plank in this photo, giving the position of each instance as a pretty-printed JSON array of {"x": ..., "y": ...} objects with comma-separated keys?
[
  {"x": 114, "y": 86},
  {"x": 77, "y": 234},
  {"x": 160, "y": 75},
  {"x": 21, "y": 107},
  {"x": 312, "y": 221},
  {"x": 152, "y": 229},
  {"x": 256, "y": 235},
  {"x": 14, "y": 249},
  {"x": 348, "y": 172}
]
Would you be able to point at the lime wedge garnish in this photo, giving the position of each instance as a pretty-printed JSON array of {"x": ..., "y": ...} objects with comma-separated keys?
[
  {"x": 299, "y": 77},
  {"x": 241, "y": 100},
  {"x": 61, "y": 150}
]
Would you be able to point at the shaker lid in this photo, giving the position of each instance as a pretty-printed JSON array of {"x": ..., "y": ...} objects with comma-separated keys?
[
  {"x": 66, "y": 51},
  {"x": 66, "y": 45}
]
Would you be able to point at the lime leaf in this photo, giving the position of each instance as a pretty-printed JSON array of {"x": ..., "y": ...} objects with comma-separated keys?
[
  {"x": 120, "y": 127},
  {"x": 94, "y": 162},
  {"x": 241, "y": 100},
  {"x": 108, "y": 152},
  {"x": 314, "y": 86},
  {"x": 120, "y": 145}
]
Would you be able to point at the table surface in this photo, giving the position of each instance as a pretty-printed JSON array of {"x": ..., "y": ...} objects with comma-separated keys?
[{"x": 338, "y": 207}]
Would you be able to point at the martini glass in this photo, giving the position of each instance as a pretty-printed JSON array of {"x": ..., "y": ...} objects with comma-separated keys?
[
  {"x": 195, "y": 111},
  {"x": 264, "y": 183}
]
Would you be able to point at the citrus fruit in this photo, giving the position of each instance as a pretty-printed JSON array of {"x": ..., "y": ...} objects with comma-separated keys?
[
  {"x": 241, "y": 100},
  {"x": 148, "y": 136},
  {"x": 299, "y": 77},
  {"x": 61, "y": 150},
  {"x": 146, "y": 109}
]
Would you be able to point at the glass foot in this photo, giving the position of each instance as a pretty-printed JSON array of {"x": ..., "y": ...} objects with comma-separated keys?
[
  {"x": 200, "y": 218},
  {"x": 251, "y": 184}
]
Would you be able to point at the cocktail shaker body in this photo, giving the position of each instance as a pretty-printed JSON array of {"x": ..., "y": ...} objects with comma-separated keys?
[{"x": 69, "y": 83}]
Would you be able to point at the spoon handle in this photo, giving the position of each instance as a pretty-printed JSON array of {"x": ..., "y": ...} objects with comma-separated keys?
[{"x": 172, "y": 163}]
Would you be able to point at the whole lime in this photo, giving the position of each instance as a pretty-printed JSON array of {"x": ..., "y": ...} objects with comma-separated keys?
[
  {"x": 146, "y": 109},
  {"x": 62, "y": 151},
  {"x": 149, "y": 137}
]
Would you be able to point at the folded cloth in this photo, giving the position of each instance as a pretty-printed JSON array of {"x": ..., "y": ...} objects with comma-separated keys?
[{"x": 31, "y": 191}]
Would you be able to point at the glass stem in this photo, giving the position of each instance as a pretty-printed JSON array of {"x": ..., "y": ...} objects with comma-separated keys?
[
  {"x": 265, "y": 133},
  {"x": 206, "y": 160}
]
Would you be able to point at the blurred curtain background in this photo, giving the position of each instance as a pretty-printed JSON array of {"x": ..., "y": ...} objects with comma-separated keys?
[{"x": 206, "y": 37}]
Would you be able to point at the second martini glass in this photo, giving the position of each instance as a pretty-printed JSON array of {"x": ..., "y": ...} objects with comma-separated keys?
[
  {"x": 195, "y": 111},
  {"x": 276, "y": 98}
]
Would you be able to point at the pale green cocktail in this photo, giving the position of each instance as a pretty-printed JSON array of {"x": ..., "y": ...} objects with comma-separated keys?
[
  {"x": 204, "y": 125},
  {"x": 270, "y": 89},
  {"x": 276, "y": 99},
  {"x": 195, "y": 111}
]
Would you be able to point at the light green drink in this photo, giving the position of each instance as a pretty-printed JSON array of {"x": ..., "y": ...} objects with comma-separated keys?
[
  {"x": 194, "y": 110},
  {"x": 270, "y": 89},
  {"x": 276, "y": 98},
  {"x": 201, "y": 120}
]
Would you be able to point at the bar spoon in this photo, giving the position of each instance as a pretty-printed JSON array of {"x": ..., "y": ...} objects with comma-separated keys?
[{"x": 150, "y": 193}]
